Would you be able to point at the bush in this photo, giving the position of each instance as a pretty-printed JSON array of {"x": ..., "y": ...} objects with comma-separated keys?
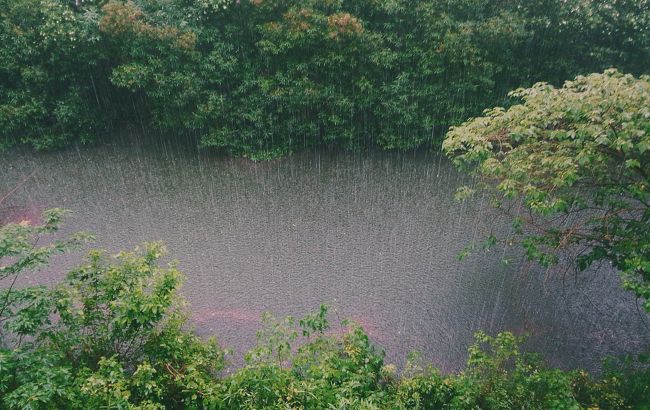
[{"x": 114, "y": 335}]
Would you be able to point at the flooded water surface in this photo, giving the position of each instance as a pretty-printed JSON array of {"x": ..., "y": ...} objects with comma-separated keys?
[{"x": 375, "y": 235}]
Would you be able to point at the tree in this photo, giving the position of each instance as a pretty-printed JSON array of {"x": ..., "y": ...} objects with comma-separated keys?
[
  {"x": 20, "y": 252},
  {"x": 262, "y": 78},
  {"x": 110, "y": 336},
  {"x": 578, "y": 159},
  {"x": 51, "y": 75}
]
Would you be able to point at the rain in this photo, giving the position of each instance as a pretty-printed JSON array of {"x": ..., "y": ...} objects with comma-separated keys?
[{"x": 375, "y": 235}]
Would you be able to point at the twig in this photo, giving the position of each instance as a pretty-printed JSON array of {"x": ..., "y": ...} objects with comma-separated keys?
[{"x": 20, "y": 184}]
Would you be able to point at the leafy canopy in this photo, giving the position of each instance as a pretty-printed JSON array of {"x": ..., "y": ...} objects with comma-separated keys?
[
  {"x": 578, "y": 159},
  {"x": 262, "y": 78}
]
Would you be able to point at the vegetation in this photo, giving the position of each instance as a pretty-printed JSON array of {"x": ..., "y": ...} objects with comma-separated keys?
[
  {"x": 261, "y": 78},
  {"x": 578, "y": 160},
  {"x": 113, "y": 335}
]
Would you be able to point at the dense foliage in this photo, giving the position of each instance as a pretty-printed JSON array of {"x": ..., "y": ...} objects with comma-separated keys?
[
  {"x": 578, "y": 158},
  {"x": 113, "y": 335},
  {"x": 264, "y": 77}
]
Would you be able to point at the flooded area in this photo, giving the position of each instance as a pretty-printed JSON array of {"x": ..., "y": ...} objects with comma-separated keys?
[{"x": 375, "y": 235}]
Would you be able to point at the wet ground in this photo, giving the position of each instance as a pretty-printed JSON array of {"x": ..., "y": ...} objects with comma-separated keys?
[{"x": 375, "y": 235}]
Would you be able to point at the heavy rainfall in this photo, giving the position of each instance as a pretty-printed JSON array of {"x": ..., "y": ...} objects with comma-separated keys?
[{"x": 342, "y": 204}]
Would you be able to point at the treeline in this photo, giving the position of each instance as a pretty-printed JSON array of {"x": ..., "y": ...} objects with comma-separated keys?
[{"x": 261, "y": 78}]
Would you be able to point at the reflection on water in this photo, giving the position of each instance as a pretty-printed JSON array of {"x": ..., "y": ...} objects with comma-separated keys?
[{"x": 375, "y": 235}]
